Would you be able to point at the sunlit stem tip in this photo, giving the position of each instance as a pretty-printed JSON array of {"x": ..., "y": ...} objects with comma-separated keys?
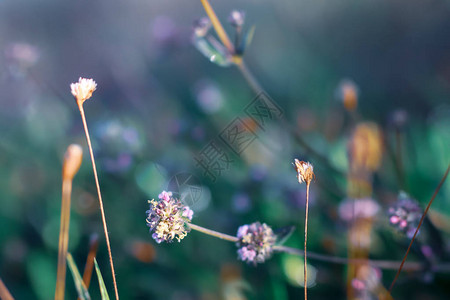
[
  {"x": 71, "y": 165},
  {"x": 305, "y": 173},
  {"x": 72, "y": 161},
  {"x": 218, "y": 26}
]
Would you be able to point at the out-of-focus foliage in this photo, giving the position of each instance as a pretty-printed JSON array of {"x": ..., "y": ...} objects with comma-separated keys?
[{"x": 159, "y": 102}]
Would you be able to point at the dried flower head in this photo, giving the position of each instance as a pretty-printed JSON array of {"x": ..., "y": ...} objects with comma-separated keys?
[
  {"x": 405, "y": 214},
  {"x": 83, "y": 89},
  {"x": 255, "y": 242},
  {"x": 237, "y": 18},
  {"x": 168, "y": 218},
  {"x": 202, "y": 27},
  {"x": 305, "y": 171}
]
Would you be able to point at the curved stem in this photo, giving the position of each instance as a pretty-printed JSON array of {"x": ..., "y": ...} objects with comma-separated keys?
[
  {"x": 105, "y": 228},
  {"x": 382, "y": 264},
  {"x": 216, "y": 234}
]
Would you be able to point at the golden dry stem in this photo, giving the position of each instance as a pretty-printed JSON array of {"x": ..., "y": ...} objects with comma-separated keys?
[
  {"x": 4, "y": 292},
  {"x": 218, "y": 26},
  {"x": 72, "y": 161}
]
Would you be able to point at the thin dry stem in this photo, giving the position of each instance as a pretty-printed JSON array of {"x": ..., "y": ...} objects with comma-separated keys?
[
  {"x": 63, "y": 239},
  {"x": 251, "y": 80},
  {"x": 217, "y": 26},
  {"x": 105, "y": 228},
  {"x": 216, "y": 234},
  {"x": 382, "y": 264},
  {"x": 418, "y": 227},
  {"x": 305, "y": 268},
  {"x": 4, "y": 292}
]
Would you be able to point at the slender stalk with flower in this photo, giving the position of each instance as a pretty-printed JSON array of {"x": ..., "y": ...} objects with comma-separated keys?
[
  {"x": 305, "y": 174},
  {"x": 82, "y": 91}
]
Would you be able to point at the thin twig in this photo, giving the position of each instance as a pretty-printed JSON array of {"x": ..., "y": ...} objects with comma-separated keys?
[
  {"x": 217, "y": 26},
  {"x": 382, "y": 264},
  {"x": 305, "y": 268},
  {"x": 251, "y": 80},
  {"x": 105, "y": 228},
  {"x": 418, "y": 227},
  {"x": 216, "y": 234},
  {"x": 4, "y": 292}
]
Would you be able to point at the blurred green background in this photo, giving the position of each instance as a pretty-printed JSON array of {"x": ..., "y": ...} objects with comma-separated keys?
[{"x": 159, "y": 102}]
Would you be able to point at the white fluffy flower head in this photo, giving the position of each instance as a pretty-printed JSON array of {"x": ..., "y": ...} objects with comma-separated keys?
[{"x": 83, "y": 89}]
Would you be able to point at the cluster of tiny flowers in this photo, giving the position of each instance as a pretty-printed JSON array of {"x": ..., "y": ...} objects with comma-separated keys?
[
  {"x": 255, "y": 242},
  {"x": 167, "y": 218},
  {"x": 83, "y": 89},
  {"x": 405, "y": 214}
]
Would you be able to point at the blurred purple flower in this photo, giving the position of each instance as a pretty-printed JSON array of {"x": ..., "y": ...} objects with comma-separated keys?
[
  {"x": 241, "y": 202},
  {"x": 405, "y": 214},
  {"x": 237, "y": 18},
  {"x": 255, "y": 242},
  {"x": 350, "y": 209}
]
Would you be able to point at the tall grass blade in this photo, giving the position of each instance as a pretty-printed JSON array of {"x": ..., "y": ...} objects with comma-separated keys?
[
  {"x": 101, "y": 283},
  {"x": 83, "y": 293}
]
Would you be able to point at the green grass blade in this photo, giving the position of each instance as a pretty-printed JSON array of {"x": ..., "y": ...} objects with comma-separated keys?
[
  {"x": 83, "y": 294},
  {"x": 101, "y": 283}
]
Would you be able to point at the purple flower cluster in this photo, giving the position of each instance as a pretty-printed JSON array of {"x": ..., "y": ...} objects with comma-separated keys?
[
  {"x": 167, "y": 218},
  {"x": 405, "y": 214},
  {"x": 255, "y": 242}
]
